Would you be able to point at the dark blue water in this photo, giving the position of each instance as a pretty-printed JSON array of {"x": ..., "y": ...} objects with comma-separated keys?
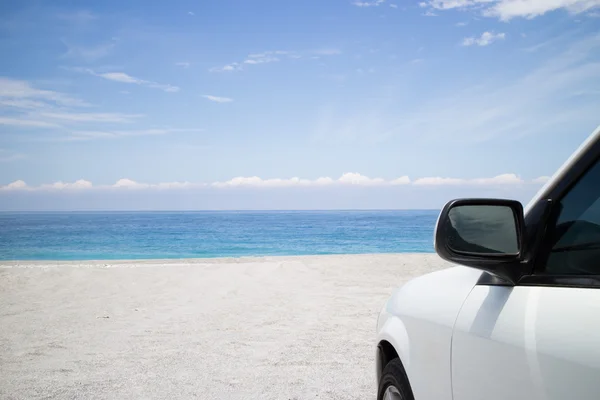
[{"x": 147, "y": 235}]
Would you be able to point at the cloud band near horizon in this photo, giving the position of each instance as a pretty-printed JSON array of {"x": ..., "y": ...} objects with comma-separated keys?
[{"x": 347, "y": 179}]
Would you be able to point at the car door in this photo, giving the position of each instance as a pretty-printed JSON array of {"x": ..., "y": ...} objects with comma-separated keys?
[{"x": 539, "y": 339}]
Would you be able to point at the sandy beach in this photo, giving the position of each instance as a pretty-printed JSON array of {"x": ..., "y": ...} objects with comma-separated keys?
[{"x": 248, "y": 328}]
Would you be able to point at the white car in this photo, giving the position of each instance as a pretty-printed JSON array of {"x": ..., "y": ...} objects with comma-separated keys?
[{"x": 519, "y": 319}]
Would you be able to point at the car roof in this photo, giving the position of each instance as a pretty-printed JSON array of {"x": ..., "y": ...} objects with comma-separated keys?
[{"x": 560, "y": 173}]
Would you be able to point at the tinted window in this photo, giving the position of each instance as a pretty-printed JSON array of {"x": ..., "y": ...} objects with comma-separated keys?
[{"x": 576, "y": 235}]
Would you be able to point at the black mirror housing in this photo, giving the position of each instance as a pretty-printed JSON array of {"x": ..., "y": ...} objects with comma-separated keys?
[{"x": 486, "y": 234}]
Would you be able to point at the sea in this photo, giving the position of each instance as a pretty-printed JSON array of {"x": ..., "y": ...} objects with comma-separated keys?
[{"x": 208, "y": 234}]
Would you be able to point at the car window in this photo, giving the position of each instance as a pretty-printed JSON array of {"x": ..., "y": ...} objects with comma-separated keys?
[{"x": 576, "y": 234}]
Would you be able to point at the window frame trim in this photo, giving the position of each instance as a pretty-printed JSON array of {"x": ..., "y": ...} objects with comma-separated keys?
[
  {"x": 554, "y": 196},
  {"x": 566, "y": 281}
]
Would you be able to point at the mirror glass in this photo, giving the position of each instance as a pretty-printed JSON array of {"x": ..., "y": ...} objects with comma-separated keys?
[{"x": 482, "y": 229}]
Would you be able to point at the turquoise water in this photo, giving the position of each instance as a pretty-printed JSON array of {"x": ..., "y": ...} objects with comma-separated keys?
[{"x": 147, "y": 235}]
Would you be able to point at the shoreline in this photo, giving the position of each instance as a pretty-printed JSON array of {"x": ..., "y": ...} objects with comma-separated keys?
[{"x": 197, "y": 260}]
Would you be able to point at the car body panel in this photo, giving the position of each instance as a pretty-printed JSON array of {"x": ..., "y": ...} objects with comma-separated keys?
[
  {"x": 527, "y": 342},
  {"x": 418, "y": 320}
]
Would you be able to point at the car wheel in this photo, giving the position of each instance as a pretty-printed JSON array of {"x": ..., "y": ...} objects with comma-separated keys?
[{"x": 394, "y": 384}]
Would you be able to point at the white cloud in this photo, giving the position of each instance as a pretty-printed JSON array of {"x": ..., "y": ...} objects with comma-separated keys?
[
  {"x": 183, "y": 64},
  {"x": 48, "y": 119},
  {"x": 80, "y": 184},
  {"x": 91, "y": 117},
  {"x": 128, "y": 183},
  {"x": 352, "y": 178},
  {"x": 451, "y": 4},
  {"x": 191, "y": 13},
  {"x": 324, "y": 181},
  {"x": 460, "y": 24},
  {"x": 22, "y": 94},
  {"x": 126, "y": 78},
  {"x": 108, "y": 134},
  {"x": 373, "y": 3},
  {"x": 28, "y": 106},
  {"x": 403, "y": 180},
  {"x": 430, "y": 13},
  {"x": 393, "y": 6},
  {"x": 347, "y": 179},
  {"x": 88, "y": 53},
  {"x": 541, "y": 179},
  {"x": 255, "y": 181},
  {"x": 16, "y": 185},
  {"x": 486, "y": 39},
  {"x": 273, "y": 56},
  {"x": 227, "y": 68},
  {"x": 131, "y": 184},
  {"x": 270, "y": 53},
  {"x": 88, "y": 135},
  {"x": 268, "y": 57},
  {"x": 178, "y": 185},
  {"x": 22, "y": 122},
  {"x": 217, "y": 99},
  {"x": 119, "y": 77},
  {"x": 504, "y": 179},
  {"x": 509, "y": 9},
  {"x": 264, "y": 60},
  {"x": 327, "y": 52},
  {"x": 25, "y": 104},
  {"x": 45, "y": 120},
  {"x": 435, "y": 181}
]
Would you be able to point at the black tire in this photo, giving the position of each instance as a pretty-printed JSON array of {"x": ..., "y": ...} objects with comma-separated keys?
[{"x": 394, "y": 375}]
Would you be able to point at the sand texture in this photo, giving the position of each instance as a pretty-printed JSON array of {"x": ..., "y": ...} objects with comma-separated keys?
[{"x": 249, "y": 328}]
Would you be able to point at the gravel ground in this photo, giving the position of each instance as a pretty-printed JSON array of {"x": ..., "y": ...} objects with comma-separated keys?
[{"x": 248, "y": 328}]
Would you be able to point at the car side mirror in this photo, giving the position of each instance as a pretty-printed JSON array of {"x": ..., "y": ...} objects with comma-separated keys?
[{"x": 482, "y": 233}]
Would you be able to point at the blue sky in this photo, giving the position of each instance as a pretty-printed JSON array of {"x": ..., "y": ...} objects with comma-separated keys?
[{"x": 290, "y": 104}]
